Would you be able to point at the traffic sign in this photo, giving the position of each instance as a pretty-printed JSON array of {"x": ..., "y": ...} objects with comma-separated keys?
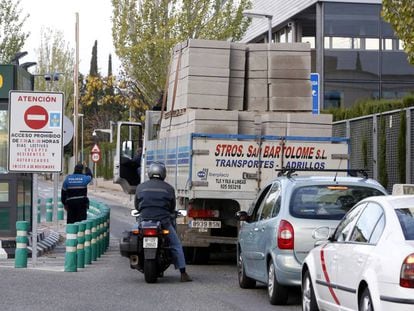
[
  {"x": 36, "y": 117},
  {"x": 314, "y": 78},
  {"x": 35, "y": 131},
  {"x": 95, "y": 149},
  {"x": 96, "y": 156}
]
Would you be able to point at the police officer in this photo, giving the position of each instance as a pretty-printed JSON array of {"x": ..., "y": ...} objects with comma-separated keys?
[
  {"x": 155, "y": 200},
  {"x": 74, "y": 194}
]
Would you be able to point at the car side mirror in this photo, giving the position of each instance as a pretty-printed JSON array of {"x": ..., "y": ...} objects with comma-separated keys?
[
  {"x": 242, "y": 216},
  {"x": 134, "y": 213}
]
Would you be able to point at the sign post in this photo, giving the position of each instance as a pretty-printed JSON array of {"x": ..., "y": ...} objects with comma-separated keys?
[
  {"x": 96, "y": 156},
  {"x": 36, "y": 144}
]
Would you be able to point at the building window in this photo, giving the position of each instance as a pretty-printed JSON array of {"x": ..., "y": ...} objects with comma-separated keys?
[
  {"x": 372, "y": 44},
  {"x": 342, "y": 94},
  {"x": 4, "y": 192},
  {"x": 341, "y": 43}
]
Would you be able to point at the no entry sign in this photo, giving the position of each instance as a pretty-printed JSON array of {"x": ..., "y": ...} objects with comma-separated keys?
[
  {"x": 36, "y": 117},
  {"x": 35, "y": 131}
]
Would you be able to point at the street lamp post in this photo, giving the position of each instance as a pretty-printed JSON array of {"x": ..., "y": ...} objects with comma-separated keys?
[
  {"x": 82, "y": 155},
  {"x": 260, "y": 14}
]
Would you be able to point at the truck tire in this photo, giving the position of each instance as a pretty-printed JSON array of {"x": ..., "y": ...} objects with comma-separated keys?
[
  {"x": 197, "y": 255},
  {"x": 150, "y": 270}
]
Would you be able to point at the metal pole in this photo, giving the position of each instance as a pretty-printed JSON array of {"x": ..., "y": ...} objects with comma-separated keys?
[
  {"x": 269, "y": 32},
  {"x": 76, "y": 92},
  {"x": 34, "y": 220},
  {"x": 82, "y": 156}
]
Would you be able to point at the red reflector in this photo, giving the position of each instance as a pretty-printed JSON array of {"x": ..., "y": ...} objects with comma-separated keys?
[
  {"x": 285, "y": 235},
  {"x": 202, "y": 213},
  {"x": 150, "y": 231},
  {"x": 407, "y": 272}
]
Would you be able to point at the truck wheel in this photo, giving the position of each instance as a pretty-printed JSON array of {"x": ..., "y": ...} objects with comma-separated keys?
[
  {"x": 197, "y": 255},
  {"x": 244, "y": 280},
  {"x": 150, "y": 271},
  {"x": 278, "y": 294}
]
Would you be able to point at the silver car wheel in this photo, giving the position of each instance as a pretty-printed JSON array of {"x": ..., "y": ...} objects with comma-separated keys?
[
  {"x": 306, "y": 294},
  {"x": 365, "y": 303}
]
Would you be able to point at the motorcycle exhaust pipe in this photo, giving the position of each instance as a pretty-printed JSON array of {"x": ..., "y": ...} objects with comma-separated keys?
[{"x": 133, "y": 261}]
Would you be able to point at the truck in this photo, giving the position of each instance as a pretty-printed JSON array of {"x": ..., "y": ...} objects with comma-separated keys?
[{"x": 235, "y": 117}]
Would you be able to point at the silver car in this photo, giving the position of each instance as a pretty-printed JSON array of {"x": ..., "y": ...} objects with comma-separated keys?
[{"x": 276, "y": 233}]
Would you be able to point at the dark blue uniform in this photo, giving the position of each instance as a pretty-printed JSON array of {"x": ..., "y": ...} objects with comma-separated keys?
[{"x": 74, "y": 196}]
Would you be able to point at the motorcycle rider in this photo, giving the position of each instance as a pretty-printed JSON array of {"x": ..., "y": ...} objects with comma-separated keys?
[{"x": 155, "y": 200}]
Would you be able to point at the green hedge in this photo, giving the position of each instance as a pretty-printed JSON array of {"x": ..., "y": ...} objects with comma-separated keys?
[{"x": 367, "y": 107}]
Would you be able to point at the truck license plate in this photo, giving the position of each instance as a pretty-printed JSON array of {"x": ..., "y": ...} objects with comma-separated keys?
[
  {"x": 150, "y": 242},
  {"x": 205, "y": 224}
]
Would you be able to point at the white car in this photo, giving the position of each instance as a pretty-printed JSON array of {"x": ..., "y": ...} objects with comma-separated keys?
[{"x": 368, "y": 263}]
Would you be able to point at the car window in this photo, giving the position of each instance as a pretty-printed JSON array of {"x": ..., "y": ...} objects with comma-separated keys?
[
  {"x": 269, "y": 202},
  {"x": 327, "y": 201},
  {"x": 367, "y": 222},
  {"x": 406, "y": 218},
  {"x": 259, "y": 204},
  {"x": 346, "y": 224}
]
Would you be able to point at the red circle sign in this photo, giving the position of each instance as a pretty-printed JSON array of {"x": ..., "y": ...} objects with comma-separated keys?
[
  {"x": 36, "y": 117},
  {"x": 96, "y": 156}
]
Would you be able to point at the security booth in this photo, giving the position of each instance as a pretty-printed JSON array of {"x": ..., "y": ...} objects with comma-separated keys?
[{"x": 15, "y": 188}]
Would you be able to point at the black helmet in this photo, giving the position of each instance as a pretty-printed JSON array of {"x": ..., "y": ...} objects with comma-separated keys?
[{"x": 157, "y": 170}]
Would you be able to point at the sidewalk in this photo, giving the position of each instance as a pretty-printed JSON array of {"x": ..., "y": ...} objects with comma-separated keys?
[{"x": 51, "y": 235}]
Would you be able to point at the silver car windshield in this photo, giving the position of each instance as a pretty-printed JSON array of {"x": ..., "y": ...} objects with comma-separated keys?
[
  {"x": 327, "y": 201},
  {"x": 406, "y": 218}
]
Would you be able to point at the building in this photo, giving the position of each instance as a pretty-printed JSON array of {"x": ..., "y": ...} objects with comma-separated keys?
[{"x": 354, "y": 51}]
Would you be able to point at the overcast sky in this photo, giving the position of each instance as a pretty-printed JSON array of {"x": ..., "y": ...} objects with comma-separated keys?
[{"x": 94, "y": 24}]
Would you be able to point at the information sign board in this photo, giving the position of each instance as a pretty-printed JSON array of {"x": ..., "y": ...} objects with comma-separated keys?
[{"x": 35, "y": 131}]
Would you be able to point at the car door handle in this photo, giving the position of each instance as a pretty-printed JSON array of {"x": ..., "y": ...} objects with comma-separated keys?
[
  {"x": 259, "y": 229},
  {"x": 256, "y": 229}
]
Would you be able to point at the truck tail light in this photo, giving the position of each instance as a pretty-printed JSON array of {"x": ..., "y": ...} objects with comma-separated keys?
[
  {"x": 203, "y": 213},
  {"x": 407, "y": 272},
  {"x": 285, "y": 235}
]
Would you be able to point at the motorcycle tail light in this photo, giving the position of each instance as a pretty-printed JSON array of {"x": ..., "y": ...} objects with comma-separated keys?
[
  {"x": 285, "y": 235},
  {"x": 150, "y": 231},
  {"x": 165, "y": 231},
  {"x": 135, "y": 231},
  {"x": 407, "y": 272}
]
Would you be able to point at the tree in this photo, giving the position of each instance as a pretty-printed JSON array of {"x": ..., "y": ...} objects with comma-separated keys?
[
  {"x": 12, "y": 38},
  {"x": 55, "y": 58},
  {"x": 93, "y": 71},
  {"x": 144, "y": 33},
  {"x": 400, "y": 14}
]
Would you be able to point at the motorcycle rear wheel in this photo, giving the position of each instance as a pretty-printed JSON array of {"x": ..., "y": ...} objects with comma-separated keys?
[{"x": 150, "y": 270}]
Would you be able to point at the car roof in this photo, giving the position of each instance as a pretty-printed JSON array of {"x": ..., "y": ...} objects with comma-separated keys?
[
  {"x": 323, "y": 179},
  {"x": 394, "y": 201}
]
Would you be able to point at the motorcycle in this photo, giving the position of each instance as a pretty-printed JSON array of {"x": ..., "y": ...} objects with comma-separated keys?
[{"x": 147, "y": 247}]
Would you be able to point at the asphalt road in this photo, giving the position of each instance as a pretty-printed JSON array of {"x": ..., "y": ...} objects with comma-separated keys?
[{"x": 110, "y": 284}]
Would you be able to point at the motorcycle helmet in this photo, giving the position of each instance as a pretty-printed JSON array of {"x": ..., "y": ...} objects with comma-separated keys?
[{"x": 157, "y": 170}]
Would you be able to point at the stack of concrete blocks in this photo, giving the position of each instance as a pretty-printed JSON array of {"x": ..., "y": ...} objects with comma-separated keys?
[
  {"x": 203, "y": 75},
  {"x": 200, "y": 121},
  {"x": 278, "y": 77},
  {"x": 237, "y": 76}
]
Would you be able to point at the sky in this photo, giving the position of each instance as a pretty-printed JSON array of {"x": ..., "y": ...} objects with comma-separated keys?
[{"x": 94, "y": 24}]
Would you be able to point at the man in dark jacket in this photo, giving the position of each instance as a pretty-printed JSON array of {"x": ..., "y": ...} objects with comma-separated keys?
[
  {"x": 74, "y": 194},
  {"x": 155, "y": 200}
]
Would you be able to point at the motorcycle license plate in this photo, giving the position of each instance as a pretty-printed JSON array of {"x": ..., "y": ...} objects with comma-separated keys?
[
  {"x": 150, "y": 242},
  {"x": 205, "y": 224}
]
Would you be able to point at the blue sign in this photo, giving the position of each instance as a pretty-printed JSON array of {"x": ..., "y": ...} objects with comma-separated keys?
[{"x": 315, "y": 92}]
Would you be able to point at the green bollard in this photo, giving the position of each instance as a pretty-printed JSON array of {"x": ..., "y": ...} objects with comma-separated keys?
[
  {"x": 49, "y": 210},
  {"x": 88, "y": 227},
  {"x": 21, "y": 244},
  {"x": 80, "y": 246},
  {"x": 106, "y": 233},
  {"x": 98, "y": 237},
  {"x": 60, "y": 211},
  {"x": 71, "y": 248},
  {"x": 93, "y": 240}
]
